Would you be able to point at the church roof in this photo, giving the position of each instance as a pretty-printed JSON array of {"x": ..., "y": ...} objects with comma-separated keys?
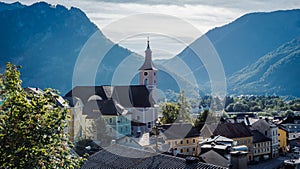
[
  {"x": 126, "y": 96},
  {"x": 96, "y": 108}
]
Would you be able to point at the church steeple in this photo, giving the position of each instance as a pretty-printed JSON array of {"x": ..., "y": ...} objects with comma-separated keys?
[
  {"x": 148, "y": 65},
  {"x": 148, "y": 72}
]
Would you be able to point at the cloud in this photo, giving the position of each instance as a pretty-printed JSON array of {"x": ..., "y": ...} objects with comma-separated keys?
[{"x": 202, "y": 14}]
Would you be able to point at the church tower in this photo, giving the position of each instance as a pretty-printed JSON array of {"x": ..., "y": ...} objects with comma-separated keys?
[{"x": 148, "y": 73}]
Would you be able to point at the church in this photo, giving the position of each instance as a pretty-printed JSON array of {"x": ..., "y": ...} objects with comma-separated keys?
[{"x": 127, "y": 110}]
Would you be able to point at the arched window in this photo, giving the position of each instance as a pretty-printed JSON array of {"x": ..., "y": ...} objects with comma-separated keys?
[{"x": 146, "y": 82}]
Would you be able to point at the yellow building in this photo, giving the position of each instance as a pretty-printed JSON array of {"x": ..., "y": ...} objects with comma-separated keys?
[
  {"x": 282, "y": 139},
  {"x": 181, "y": 137}
]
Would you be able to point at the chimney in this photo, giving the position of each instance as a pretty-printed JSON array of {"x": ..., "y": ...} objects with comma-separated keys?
[
  {"x": 191, "y": 160},
  {"x": 113, "y": 142},
  {"x": 235, "y": 119},
  {"x": 267, "y": 119},
  {"x": 247, "y": 120},
  {"x": 238, "y": 160}
]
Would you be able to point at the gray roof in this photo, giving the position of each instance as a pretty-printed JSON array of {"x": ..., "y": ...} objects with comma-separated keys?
[
  {"x": 259, "y": 137},
  {"x": 230, "y": 130},
  {"x": 218, "y": 138},
  {"x": 179, "y": 131},
  {"x": 127, "y": 96},
  {"x": 96, "y": 108},
  {"x": 117, "y": 156}
]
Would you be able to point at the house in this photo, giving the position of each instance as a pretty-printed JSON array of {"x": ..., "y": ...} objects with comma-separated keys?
[
  {"x": 238, "y": 132},
  {"x": 270, "y": 130},
  {"x": 116, "y": 118},
  {"x": 292, "y": 125},
  {"x": 117, "y": 156},
  {"x": 181, "y": 137},
  {"x": 75, "y": 122},
  {"x": 216, "y": 150},
  {"x": 220, "y": 144},
  {"x": 261, "y": 146},
  {"x": 282, "y": 139}
]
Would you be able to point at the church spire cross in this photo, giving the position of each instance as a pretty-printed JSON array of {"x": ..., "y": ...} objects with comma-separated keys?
[
  {"x": 148, "y": 43},
  {"x": 148, "y": 65}
]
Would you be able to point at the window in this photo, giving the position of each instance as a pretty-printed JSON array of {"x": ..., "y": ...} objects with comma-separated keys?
[
  {"x": 187, "y": 141},
  {"x": 181, "y": 150},
  {"x": 138, "y": 117},
  {"x": 149, "y": 125},
  {"x": 193, "y": 140},
  {"x": 121, "y": 129},
  {"x": 110, "y": 130},
  {"x": 266, "y": 132},
  {"x": 145, "y": 73},
  {"x": 126, "y": 128},
  {"x": 194, "y": 149},
  {"x": 187, "y": 150},
  {"x": 181, "y": 142},
  {"x": 110, "y": 120},
  {"x": 146, "y": 82},
  {"x": 175, "y": 142}
]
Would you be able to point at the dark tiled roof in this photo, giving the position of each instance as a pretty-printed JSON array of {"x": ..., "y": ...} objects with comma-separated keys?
[
  {"x": 179, "y": 131},
  {"x": 117, "y": 156},
  {"x": 101, "y": 107},
  {"x": 85, "y": 92},
  {"x": 290, "y": 119},
  {"x": 127, "y": 96},
  {"x": 259, "y": 137},
  {"x": 230, "y": 130}
]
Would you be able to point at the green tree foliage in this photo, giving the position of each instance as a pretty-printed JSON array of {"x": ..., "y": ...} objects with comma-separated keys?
[
  {"x": 170, "y": 112},
  {"x": 266, "y": 104},
  {"x": 205, "y": 117},
  {"x": 32, "y": 127},
  {"x": 179, "y": 111}
]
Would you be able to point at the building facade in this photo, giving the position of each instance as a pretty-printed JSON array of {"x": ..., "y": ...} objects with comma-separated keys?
[
  {"x": 261, "y": 146},
  {"x": 269, "y": 130},
  {"x": 181, "y": 137}
]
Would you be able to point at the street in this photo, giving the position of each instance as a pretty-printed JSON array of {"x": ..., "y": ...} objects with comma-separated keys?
[{"x": 269, "y": 164}]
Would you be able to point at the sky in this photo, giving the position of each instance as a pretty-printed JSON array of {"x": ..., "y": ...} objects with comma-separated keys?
[{"x": 170, "y": 24}]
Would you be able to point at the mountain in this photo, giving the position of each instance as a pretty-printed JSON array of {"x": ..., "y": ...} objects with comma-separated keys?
[
  {"x": 243, "y": 41},
  {"x": 12, "y": 6},
  {"x": 275, "y": 73},
  {"x": 52, "y": 43}
]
